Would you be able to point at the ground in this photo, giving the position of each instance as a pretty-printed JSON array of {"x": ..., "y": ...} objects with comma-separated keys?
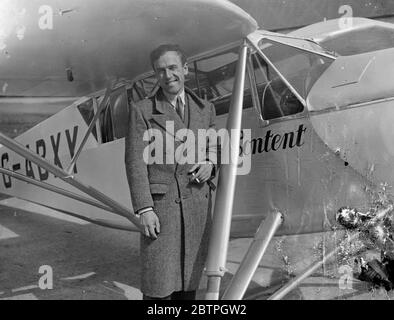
[{"x": 90, "y": 262}]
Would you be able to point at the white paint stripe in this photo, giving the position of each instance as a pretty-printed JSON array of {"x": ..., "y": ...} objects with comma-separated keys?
[
  {"x": 28, "y": 296},
  {"x": 82, "y": 276},
  {"x": 6, "y": 233},
  {"x": 35, "y": 208},
  {"x": 25, "y": 288}
]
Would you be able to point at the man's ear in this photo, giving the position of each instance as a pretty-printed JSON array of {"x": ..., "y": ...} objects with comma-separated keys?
[{"x": 186, "y": 69}]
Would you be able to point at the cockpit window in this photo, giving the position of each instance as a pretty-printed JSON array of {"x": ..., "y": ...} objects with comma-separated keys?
[
  {"x": 299, "y": 67},
  {"x": 87, "y": 112},
  {"x": 276, "y": 99},
  {"x": 142, "y": 89},
  {"x": 212, "y": 79}
]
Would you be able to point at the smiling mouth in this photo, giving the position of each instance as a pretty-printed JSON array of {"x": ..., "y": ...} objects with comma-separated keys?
[{"x": 172, "y": 81}]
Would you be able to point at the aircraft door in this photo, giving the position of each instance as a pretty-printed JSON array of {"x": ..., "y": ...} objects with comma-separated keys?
[
  {"x": 274, "y": 148},
  {"x": 292, "y": 169}
]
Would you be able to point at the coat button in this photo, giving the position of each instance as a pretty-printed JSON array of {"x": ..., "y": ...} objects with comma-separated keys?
[{"x": 178, "y": 200}]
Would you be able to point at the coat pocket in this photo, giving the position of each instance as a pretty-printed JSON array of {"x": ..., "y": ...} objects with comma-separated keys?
[{"x": 158, "y": 188}]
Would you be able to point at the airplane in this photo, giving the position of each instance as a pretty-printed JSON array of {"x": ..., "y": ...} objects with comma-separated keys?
[{"x": 315, "y": 102}]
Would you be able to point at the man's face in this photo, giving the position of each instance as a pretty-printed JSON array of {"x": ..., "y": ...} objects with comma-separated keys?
[{"x": 170, "y": 72}]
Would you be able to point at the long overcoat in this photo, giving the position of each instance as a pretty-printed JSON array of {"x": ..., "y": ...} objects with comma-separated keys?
[{"x": 174, "y": 261}]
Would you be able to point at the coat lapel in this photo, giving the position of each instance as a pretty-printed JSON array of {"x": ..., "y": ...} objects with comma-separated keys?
[
  {"x": 196, "y": 121},
  {"x": 195, "y": 115},
  {"x": 163, "y": 112}
]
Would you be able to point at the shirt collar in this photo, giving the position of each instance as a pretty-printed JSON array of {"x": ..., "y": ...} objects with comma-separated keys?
[{"x": 173, "y": 100}]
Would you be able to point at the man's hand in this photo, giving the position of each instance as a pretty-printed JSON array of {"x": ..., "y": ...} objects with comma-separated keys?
[
  {"x": 151, "y": 224},
  {"x": 203, "y": 172}
]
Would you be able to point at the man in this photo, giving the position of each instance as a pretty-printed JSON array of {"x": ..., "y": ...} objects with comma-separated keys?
[{"x": 172, "y": 199}]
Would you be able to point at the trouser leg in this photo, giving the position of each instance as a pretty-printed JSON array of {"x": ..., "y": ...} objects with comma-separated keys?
[
  {"x": 144, "y": 297},
  {"x": 184, "y": 295}
]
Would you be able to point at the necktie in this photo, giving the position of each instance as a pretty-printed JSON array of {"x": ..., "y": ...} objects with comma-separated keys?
[{"x": 179, "y": 108}]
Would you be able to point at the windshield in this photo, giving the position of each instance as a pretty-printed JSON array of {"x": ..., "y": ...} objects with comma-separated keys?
[
  {"x": 361, "y": 40},
  {"x": 299, "y": 66}
]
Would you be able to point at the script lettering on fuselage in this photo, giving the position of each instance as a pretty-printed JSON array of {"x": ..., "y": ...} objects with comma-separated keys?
[
  {"x": 273, "y": 141},
  {"x": 41, "y": 147}
]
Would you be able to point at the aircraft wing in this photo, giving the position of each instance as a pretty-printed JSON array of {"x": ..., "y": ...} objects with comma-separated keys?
[{"x": 44, "y": 47}]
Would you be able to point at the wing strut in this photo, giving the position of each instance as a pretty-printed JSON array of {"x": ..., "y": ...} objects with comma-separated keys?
[
  {"x": 100, "y": 222},
  {"x": 250, "y": 262},
  {"x": 220, "y": 234},
  {"x": 282, "y": 292},
  {"x": 55, "y": 189},
  {"x": 63, "y": 175}
]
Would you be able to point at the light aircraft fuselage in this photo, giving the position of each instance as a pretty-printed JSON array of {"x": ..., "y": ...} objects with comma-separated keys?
[{"x": 318, "y": 141}]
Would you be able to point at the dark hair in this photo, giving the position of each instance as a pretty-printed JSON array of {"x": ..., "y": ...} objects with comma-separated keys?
[{"x": 162, "y": 49}]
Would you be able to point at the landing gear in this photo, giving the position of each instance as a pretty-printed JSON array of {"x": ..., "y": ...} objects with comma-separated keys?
[{"x": 250, "y": 262}]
